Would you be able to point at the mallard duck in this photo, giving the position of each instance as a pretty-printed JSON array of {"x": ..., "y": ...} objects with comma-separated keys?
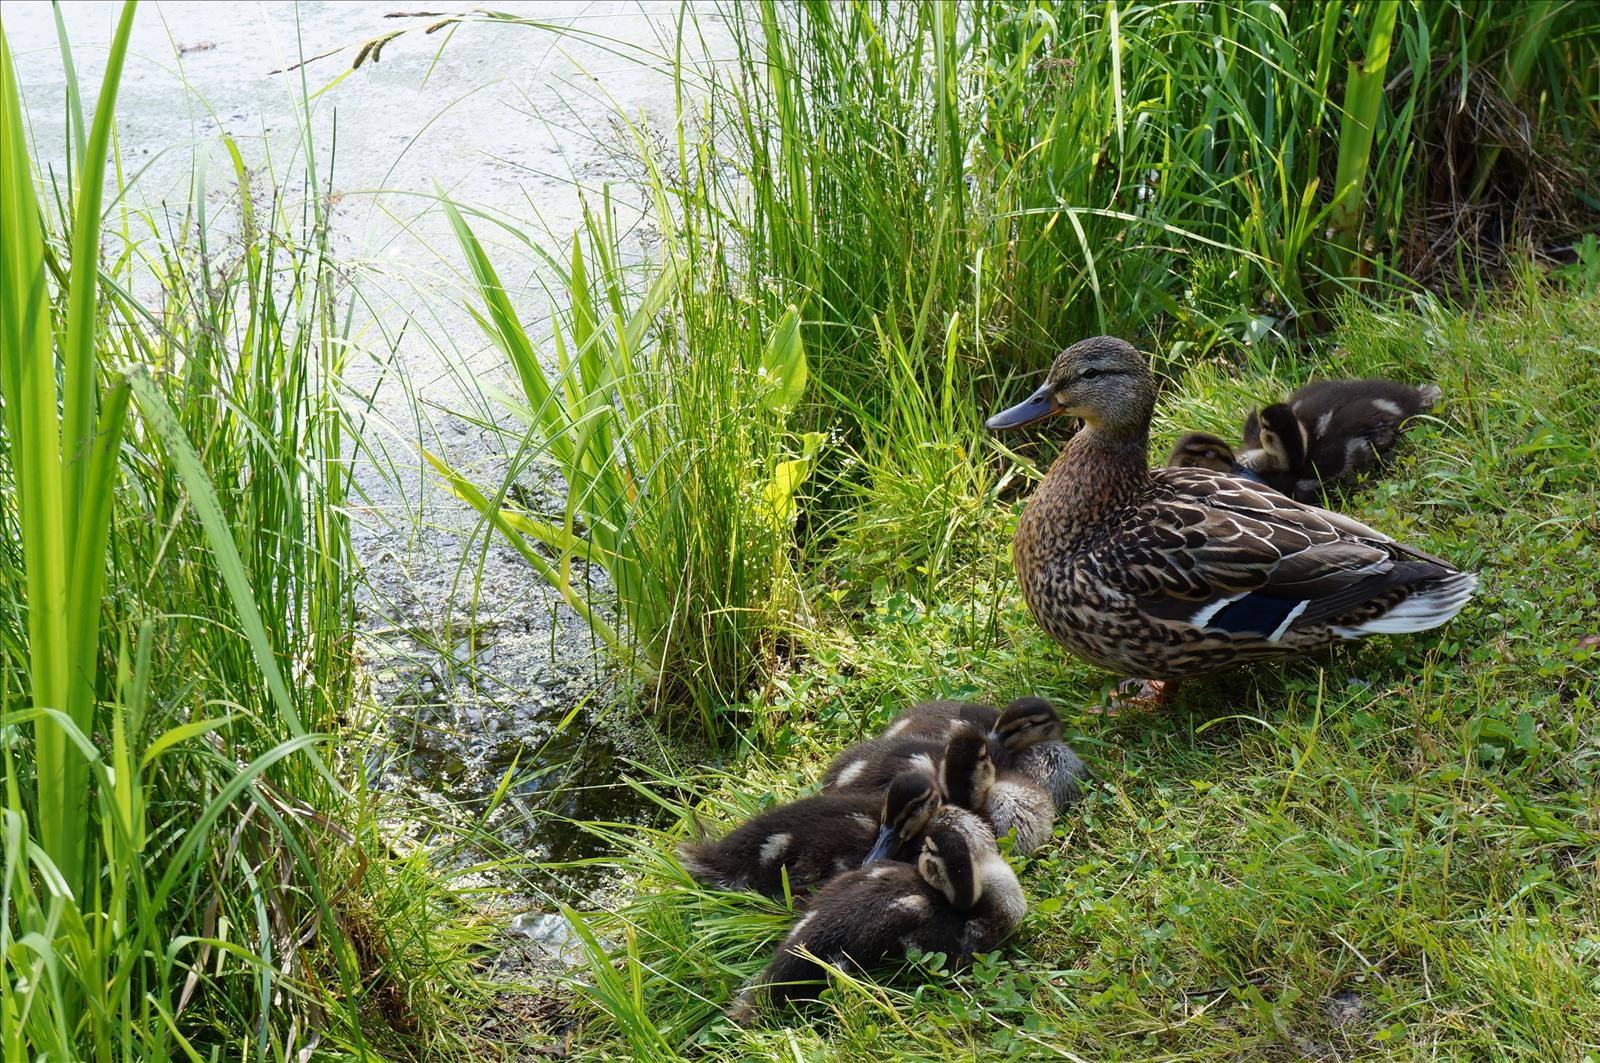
[
  {"x": 960, "y": 898},
  {"x": 1006, "y": 800},
  {"x": 1329, "y": 433},
  {"x": 811, "y": 840},
  {"x": 1027, "y": 732},
  {"x": 1165, "y": 573}
]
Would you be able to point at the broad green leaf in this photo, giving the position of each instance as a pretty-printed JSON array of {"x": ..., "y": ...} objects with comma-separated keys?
[
  {"x": 783, "y": 364},
  {"x": 778, "y": 496}
]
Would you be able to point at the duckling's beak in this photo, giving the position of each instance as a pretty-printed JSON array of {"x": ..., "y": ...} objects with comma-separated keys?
[
  {"x": 881, "y": 847},
  {"x": 1035, "y": 407}
]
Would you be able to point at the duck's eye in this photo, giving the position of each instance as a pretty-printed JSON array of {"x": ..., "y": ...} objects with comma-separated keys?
[{"x": 1088, "y": 374}]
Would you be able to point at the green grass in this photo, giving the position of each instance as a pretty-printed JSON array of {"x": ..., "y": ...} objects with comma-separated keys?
[
  {"x": 1414, "y": 820},
  {"x": 193, "y": 867},
  {"x": 666, "y": 421}
]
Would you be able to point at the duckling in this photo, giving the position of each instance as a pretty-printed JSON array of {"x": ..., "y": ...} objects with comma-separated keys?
[
  {"x": 1006, "y": 800},
  {"x": 960, "y": 898},
  {"x": 935, "y": 720},
  {"x": 811, "y": 840},
  {"x": 1166, "y": 573},
  {"x": 1330, "y": 433},
  {"x": 869, "y": 765},
  {"x": 1202, "y": 450},
  {"x": 1027, "y": 731}
]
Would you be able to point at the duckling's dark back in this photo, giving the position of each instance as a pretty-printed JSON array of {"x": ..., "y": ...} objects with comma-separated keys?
[
  {"x": 810, "y": 840},
  {"x": 860, "y": 919},
  {"x": 871, "y": 764},
  {"x": 1352, "y": 426},
  {"x": 872, "y": 915},
  {"x": 934, "y": 720}
]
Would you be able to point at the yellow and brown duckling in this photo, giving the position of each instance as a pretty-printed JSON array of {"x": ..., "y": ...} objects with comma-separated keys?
[
  {"x": 1329, "y": 433},
  {"x": 1202, "y": 450},
  {"x": 1172, "y": 572},
  {"x": 960, "y": 898},
  {"x": 811, "y": 840},
  {"x": 1026, "y": 737},
  {"x": 1008, "y": 801}
]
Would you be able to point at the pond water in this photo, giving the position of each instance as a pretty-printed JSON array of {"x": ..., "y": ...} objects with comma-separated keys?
[{"x": 475, "y": 665}]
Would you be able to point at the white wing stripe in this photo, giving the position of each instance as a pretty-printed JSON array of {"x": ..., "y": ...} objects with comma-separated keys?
[
  {"x": 1293, "y": 615},
  {"x": 1203, "y": 615}
]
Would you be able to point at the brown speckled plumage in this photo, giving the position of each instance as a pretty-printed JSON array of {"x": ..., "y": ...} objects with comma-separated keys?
[{"x": 1170, "y": 572}]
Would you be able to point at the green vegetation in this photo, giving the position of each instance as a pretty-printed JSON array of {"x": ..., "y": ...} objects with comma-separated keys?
[
  {"x": 666, "y": 420},
  {"x": 866, "y": 230},
  {"x": 948, "y": 197}
]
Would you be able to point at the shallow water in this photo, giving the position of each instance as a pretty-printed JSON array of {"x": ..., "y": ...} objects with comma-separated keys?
[{"x": 474, "y": 663}]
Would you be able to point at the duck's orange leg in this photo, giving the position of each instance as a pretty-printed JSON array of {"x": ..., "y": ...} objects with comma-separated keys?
[{"x": 1138, "y": 695}]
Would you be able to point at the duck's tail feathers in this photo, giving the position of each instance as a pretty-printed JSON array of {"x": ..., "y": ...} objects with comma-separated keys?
[{"x": 1427, "y": 607}]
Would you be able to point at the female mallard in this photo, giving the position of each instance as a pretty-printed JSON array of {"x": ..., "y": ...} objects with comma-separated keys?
[{"x": 1165, "y": 573}]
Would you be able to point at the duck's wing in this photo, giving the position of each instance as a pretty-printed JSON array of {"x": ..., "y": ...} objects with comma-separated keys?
[{"x": 1229, "y": 556}]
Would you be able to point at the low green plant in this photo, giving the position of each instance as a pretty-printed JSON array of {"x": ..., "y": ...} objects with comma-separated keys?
[{"x": 679, "y": 479}]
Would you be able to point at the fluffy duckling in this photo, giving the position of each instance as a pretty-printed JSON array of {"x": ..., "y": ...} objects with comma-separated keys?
[
  {"x": 936, "y": 720},
  {"x": 869, "y": 765},
  {"x": 960, "y": 898},
  {"x": 1330, "y": 433},
  {"x": 1166, "y": 573},
  {"x": 1026, "y": 737},
  {"x": 814, "y": 839},
  {"x": 1007, "y": 800},
  {"x": 1202, "y": 450}
]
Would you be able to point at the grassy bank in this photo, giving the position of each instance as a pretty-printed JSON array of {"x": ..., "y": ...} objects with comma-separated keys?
[
  {"x": 764, "y": 421},
  {"x": 1387, "y": 852}
]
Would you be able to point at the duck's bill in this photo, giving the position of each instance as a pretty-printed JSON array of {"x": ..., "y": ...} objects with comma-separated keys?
[
  {"x": 881, "y": 847},
  {"x": 1035, "y": 407}
]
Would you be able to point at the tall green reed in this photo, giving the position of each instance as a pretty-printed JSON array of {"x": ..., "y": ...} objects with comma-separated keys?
[{"x": 181, "y": 867}]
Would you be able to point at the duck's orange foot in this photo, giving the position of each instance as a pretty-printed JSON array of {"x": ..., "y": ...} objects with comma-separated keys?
[{"x": 1136, "y": 696}]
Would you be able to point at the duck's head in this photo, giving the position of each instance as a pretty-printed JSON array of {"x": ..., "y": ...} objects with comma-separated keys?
[
  {"x": 1027, "y": 722},
  {"x": 911, "y": 802},
  {"x": 1201, "y": 450},
  {"x": 966, "y": 774},
  {"x": 946, "y": 864},
  {"x": 1274, "y": 439},
  {"x": 1102, "y": 380}
]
